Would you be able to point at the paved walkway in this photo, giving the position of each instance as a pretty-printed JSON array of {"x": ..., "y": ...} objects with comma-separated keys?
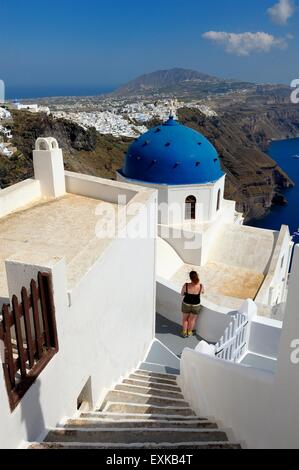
[
  {"x": 169, "y": 332},
  {"x": 166, "y": 351}
]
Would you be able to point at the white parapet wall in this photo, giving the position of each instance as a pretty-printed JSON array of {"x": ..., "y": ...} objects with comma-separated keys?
[
  {"x": 236, "y": 396},
  {"x": 273, "y": 289},
  {"x": 48, "y": 182},
  {"x": 260, "y": 407},
  {"x": 214, "y": 319},
  {"x": 99, "y": 188},
  {"x": 265, "y": 336},
  {"x": 19, "y": 196}
]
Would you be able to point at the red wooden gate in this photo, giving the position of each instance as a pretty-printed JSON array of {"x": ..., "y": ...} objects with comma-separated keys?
[{"x": 28, "y": 330}]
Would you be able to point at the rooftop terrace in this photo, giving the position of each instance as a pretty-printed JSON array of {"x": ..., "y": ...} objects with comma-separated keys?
[{"x": 60, "y": 228}]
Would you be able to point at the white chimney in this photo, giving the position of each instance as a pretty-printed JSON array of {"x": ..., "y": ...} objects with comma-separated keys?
[{"x": 48, "y": 167}]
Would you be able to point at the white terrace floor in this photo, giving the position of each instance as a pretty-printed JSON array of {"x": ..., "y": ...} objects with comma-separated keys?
[
  {"x": 228, "y": 285},
  {"x": 60, "y": 228},
  {"x": 239, "y": 259}
]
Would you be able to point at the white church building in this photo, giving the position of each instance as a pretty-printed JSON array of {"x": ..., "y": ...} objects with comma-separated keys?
[
  {"x": 198, "y": 229},
  {"x": 86, "y": 363}
]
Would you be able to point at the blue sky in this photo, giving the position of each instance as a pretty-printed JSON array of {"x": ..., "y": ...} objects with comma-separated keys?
[{"x": 60, "y": 43}]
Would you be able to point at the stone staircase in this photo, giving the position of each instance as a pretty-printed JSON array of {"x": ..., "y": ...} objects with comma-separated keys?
[{"x": 146, "y": 411}]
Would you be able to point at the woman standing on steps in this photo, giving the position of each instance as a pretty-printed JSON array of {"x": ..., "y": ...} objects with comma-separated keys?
[{"x": 191, "y": 304}]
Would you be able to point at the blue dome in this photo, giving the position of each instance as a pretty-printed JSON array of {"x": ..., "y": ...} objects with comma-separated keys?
[{"x": 172, "y": 154}]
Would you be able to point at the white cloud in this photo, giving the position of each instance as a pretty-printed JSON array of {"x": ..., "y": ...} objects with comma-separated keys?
[
  {"x": 282, "y": 11},
  {"x": 244, "y": 44}
]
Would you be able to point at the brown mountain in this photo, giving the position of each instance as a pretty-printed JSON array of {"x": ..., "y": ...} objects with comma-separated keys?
[{"x": 176, "y": 81}]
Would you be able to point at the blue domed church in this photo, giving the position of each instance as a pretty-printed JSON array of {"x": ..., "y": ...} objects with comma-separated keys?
[
  {"x": 185, "y": 169},
  {"x": 199, "y": 229},
  {"x": 245, "y": 270}
]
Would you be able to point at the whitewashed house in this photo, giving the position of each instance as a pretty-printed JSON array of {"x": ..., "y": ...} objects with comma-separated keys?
[
  {"x": 31, "y": 107},
  {"x": 52, "y": 224}
]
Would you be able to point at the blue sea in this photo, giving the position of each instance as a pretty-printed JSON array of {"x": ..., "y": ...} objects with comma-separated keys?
[
  {"x": 18, "y": 93},
  {"x": 284, "y": 152}
]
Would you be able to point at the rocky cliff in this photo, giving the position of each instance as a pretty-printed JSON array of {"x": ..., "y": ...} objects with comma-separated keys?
[
  {"x": 85, "y": 151},
  {"x": 240, "y": 135},
  {"x": 254, "y": 180}
]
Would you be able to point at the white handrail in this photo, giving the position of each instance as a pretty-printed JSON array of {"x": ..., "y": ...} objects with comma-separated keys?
[{"x": 234, "y": 343}]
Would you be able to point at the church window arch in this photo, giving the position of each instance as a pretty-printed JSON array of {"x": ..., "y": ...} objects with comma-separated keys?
[{"x": 190, "y": 208}]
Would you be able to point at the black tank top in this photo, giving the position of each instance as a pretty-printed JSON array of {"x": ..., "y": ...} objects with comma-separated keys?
[{"x": 192, "y": 299}]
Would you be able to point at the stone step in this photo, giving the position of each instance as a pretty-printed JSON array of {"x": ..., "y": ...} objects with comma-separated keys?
[
  {"x": 148, "y": 409},
  {"x": 140, "y": 417},
  {"x": 156, "y": 380},
  {"x": 142, "y": 399},
  {"x": 172, "y": 368},
  {"x": 130, "y": 436},
  {"x": 156, "y": 374},
  {"x": 149, "y": 391},
  {"x": 96, "y": 423},
  {"x": 174, "y": 446},
  {"x": 158, "y": 385}
]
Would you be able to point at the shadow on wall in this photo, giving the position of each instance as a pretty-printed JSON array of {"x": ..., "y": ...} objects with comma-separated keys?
[{"x": 32, "y": 413}]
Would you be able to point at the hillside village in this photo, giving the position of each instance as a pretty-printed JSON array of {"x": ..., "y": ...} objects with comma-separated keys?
[
  {"x": 95, "y": 134},
  {"x": 5, "y": 133},
  {"x": 116, "y": 118},
  {"x": 129, "y": 120}
]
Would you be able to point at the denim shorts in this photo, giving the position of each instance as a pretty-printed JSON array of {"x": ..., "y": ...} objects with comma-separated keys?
[{"x": 191, "y": 309}]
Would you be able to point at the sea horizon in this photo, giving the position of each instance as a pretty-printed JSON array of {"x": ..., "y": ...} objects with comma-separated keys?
[{"x": 57, "y": 91}]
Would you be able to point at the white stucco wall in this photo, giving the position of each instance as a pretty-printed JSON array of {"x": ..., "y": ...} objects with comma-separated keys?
[
  {"x": 236, "y": 396},
  {"x": 186, "y": 243},
  {"x": 260, "y": 407},
  {"x": 168, "y": 262},
  {"x": 18, "y": 196},
  {"x": 175, "y": 196},
  {"x": 203, "y": 195},
  {"x": 105, "y": 327},
  {"x": 214, "y": 319},
  {"x": 245, "y": 247},
  {"x": 225, "y": 216},
  {"x": 99, "y": 188},
  {"x": 265, "y": 337},
  {"x": 275, "y": 284}
]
